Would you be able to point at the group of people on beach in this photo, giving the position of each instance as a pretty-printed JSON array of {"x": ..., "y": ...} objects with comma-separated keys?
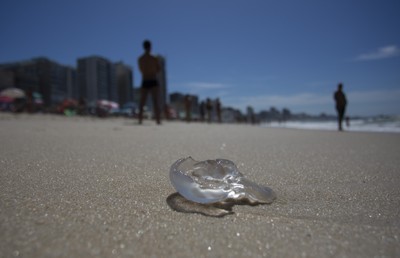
[
  {"x": 206, "y": 109},
  {"x": 150, "y": 67}
]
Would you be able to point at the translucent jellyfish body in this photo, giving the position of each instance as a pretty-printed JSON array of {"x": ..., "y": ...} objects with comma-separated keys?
[{"x": 214, "y": 181}]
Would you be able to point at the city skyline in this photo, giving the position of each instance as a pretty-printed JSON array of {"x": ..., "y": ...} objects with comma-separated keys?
[{"x": 259, "y": 53}]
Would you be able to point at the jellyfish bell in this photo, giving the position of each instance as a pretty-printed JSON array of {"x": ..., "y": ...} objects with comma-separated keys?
[{"x": 214, "y": 181}]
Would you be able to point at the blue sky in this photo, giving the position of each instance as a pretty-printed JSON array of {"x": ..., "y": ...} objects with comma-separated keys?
[{"x": 286, "y": 53}]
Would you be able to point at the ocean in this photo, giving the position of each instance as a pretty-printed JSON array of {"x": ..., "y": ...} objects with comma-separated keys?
[{"x": 384, "y": 124}]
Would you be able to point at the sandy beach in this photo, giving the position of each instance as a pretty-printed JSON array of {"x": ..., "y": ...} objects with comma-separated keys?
[{"x": 88, "y": 187}]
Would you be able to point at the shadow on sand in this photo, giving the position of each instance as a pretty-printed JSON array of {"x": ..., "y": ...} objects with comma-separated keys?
[{"x": 178, "y": 203}]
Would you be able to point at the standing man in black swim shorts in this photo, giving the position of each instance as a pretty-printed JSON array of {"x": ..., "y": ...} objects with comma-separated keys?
[{"x": 149, "y": 67}]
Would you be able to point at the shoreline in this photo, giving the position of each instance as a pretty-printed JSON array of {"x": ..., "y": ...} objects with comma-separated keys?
[{"x": 268, "y": 125}]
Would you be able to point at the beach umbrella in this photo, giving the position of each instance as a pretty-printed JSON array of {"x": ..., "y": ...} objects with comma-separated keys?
[
  {"x": 6, "y": 99},
  {"x": 113, "y": 105},
  {"x": 37, "y": 98},
  {"x": 37, "y": 95},
  {"x": 13, "y": 93},
  {"x": 67, "y": 104},
  {"x": 103, "y": 103},
  {"x": 107, "y": 104}
]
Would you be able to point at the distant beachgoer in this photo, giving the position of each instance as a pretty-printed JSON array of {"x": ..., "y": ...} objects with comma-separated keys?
[
  {"x": 341, "y": 102},
  {"x": 167, "y": 114},
  {"x": 218, "y": 108},
  {"x": 82, "y": 106},
  {"x": 29, "y": 102},
  {"x": 188, "y": 108},
  {"x": 209, "y": 109},
  {"x": 202, "y": 111},
  {"x": 149, "y": 67}
]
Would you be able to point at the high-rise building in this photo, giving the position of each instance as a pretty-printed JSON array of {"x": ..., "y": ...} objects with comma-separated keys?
[
  {"x": 6, "y": 79},
  {"x": 72, "y": 84},
  {"x": 124, "y": 83},
  {"x": 96, "y": 79},
  {"x": 54, "y": 81}
]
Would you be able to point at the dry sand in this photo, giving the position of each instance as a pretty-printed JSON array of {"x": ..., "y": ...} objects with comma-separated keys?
[{"x": 84, "y": 187}]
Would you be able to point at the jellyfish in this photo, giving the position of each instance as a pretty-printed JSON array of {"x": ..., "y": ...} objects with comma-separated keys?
[{"x": 214, "y": 181}]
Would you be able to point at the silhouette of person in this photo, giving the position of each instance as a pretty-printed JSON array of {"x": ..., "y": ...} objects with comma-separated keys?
[
  {"x": 82, "y": 106},
  {"x": 167, "y": 113},
  {"x": 29, "y": 104},
  {"x": 218, "y": 108},
  {"x": 188, "y": 108},
  {"x": 202, "y": 111},
  {"x": 209, "y": 109},
  {"x": 341, "y": 102},
  {"x": 149, "y": 68}
]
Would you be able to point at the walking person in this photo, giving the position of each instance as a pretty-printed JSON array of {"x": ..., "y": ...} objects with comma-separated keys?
[
  {"x": 149, "y": 67},
  {"x": 209, "y": 108},
  {"x": 218, "y": 108},
  {"x": 202, "y": 111},
  {"x": 341, "y": 102},
  {"x": 188, "y": 108}
]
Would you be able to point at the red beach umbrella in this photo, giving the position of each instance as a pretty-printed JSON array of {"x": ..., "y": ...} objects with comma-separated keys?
[{"x": 6, "y": 99}]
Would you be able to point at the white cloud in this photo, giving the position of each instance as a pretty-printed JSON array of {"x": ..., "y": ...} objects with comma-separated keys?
[
  {"x": 381, "y": 53},
  {"x": 373, "y": 97},
  {"x": 206, "y": 86}
]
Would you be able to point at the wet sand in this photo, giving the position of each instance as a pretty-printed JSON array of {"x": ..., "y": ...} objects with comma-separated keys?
[{"x": 85, "y": 187}]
